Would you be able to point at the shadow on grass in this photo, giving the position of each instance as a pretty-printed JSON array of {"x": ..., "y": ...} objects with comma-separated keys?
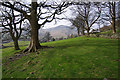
[{"x": 88, "y": 43}]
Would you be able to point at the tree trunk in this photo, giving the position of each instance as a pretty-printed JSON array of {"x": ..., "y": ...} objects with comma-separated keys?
[
  {"x": 78, "y": 31},
  {"x": 83, "y": 30},
  {"x": 114, "y": 29},
  {"x": 119, "y": 15},
  {"x": 34, "y": 42},
  {"x": 113, "y": 18},
  {"x": 88, "y": 32},
  {"x": 119, "y": 24},
  {"x": 16, "y": 46},
  {"x": 15, "y": 40},
  {"x": 88, "y": 29}
]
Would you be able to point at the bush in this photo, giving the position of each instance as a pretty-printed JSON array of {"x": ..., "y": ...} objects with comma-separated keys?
[
  {"x": 102, "y": 36},
  {"x": 94, "y": 35},
  {"x": 115, "y": 36}
]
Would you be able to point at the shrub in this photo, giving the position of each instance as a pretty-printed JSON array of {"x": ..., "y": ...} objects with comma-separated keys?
[
  {"x": 115, "y": 36},
  {"x": 94, "y": 35}
]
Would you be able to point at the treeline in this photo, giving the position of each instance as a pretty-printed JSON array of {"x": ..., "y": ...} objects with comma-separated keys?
[{"x": 101, "y": 13}]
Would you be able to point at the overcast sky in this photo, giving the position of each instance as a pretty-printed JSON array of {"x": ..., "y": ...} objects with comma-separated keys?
[{"x": 67, "y": 14}]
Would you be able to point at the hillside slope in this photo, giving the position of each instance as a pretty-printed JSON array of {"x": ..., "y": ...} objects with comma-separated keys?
[
  {"x": 59, "y": 31},
  {"x": 79, "y": 57}
]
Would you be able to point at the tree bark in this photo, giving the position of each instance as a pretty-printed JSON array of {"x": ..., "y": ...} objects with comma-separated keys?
[
  {"x": 113, "y": 18},
  {"x": 82, "y": 30},
  {"x": 16, "y": 46},
  {"x": 34, "y": 42},
  {"x": 78, "y": 31},
  {"x": 88, "y": 29},
  {"x": 119, "y": 15},
  {"x": 113, "y": 25},
  {"x": 119, "y": 24},
  {"x": 88, "y": 32},
  {"x": 15, "y": 40}
]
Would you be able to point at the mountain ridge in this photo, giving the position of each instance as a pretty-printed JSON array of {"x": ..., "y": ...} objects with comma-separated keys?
[{"x": 59, "y": 31}]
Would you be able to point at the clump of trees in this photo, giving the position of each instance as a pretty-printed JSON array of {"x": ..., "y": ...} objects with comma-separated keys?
[
  {"x": 91, "y": 13},
  {"x": 79, "y": 24},
  {"x": 87, "y": 15},
  {"x": 37, "y": 17}
]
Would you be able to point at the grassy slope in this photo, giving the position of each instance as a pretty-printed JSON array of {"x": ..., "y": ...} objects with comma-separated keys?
[
  {"x": 73, "y": 58},
  {"x": 7, "y": 52}
]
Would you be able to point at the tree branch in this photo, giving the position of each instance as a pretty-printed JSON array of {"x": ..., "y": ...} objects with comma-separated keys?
[{"x": 9, "y": 5}]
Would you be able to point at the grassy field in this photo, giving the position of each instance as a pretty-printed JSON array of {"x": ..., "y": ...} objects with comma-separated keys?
[{"x": 79, "y": 57}]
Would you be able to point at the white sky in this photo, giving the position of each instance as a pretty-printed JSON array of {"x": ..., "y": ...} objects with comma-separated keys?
[{"x": 67, "y": 14}]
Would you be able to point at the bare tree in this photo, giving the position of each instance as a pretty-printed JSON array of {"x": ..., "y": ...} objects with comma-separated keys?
[
  {"x": 118, "y": 15},
  {"x": 110, "y": 14},
  {"x": 13, "y": 24},
  {"x": 79, "y": 24},
  {"x": 34, "y": 14},
  {"x": 89, "y": 13}
]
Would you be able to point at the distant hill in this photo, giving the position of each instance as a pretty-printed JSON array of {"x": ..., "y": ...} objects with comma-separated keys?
[{"x": 59, "y": 31}]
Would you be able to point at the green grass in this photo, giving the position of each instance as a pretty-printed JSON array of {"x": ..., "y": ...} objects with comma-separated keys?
[
  {"x": 7, "y": 52},
  {"x": 79, "y": 57}
]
